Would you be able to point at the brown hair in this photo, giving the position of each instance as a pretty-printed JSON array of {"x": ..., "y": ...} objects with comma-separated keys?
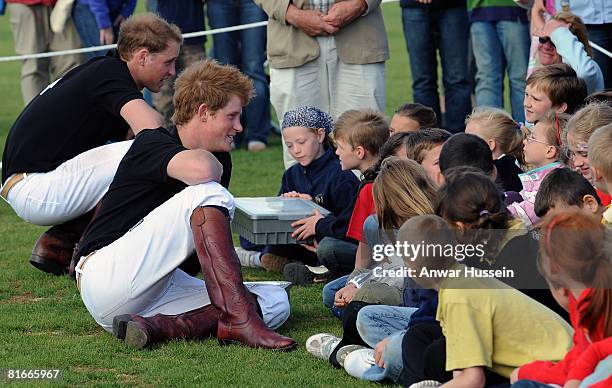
[
  {"x": 599, "y": 155},
  {"x": 576, "y": 27},
  {"x": 561, "y": 84},
  {"x": 146, "y": 30},
  {"x": 389, "y": 148},
  {"x": 207, "y": 82},
  {"x": 365, "y": 127},
  {"x": 581, "y": 246},
  {"x": 470, "y": 197},
  {"x": 498, "y": 125},
  {"x": 585, "y": 121},
  {"x": 424, "y": 115},
  {"x": 401, "y": 190},
  {"x": 424, "y": 140},
  {"x": 426, "y": 230}
]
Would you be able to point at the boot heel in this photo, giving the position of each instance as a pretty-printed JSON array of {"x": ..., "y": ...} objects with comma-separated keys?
[
  {"x": 120, "y": 325},
  {"x": 135, "y": 336}
]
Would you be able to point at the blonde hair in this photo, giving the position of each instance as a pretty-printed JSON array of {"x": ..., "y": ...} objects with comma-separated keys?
[
  {"x": 577, "y": 28},
  {"x": 585, "y": 121},
  {"x": 498, "y": 125},
  {"x": 207, "y": 82},
  {"x": 401, "y": 190},
  {"x": 365, "y": 127},
  {"x": 146, "y": 30},
  {"x": 560, "y": 84},
  {"x": 600, "y": 156}
]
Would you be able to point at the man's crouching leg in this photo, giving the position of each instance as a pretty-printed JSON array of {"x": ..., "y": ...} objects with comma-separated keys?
[{"x": 238, "y": 319}]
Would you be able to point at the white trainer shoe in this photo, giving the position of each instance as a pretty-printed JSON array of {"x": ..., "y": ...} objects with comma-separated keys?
[
  {"x": 248, "y": 258},
  {"x": 344, "y": 351},
  {"x": 322, "y": 345},
  {"x": 426, "y": 384},
  {"x": 358, "y": 362}
]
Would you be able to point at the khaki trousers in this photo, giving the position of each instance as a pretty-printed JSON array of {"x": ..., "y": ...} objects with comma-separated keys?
[{"x": 32, "y": 33}]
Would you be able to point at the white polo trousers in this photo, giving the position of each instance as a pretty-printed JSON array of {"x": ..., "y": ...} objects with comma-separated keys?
[
  {"x": 138, "y": 273},
  {"x": 328, "y": 84},
  {"x": 69, "y": 191}
]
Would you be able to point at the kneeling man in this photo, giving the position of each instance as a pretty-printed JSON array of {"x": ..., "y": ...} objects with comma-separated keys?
[{"x": 158, "y": 210}]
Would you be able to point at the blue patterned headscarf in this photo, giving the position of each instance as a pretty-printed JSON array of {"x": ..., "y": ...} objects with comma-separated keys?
[{"x": 308, "y": 117}]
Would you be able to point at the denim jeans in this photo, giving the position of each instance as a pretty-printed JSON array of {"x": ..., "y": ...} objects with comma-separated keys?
[
  {"x": 87, "y": 27},
  {"x": 337, "y": 255},
  {"x": 445, "y": 29},
  {"x": 497, "y": 45},
  {"x": 246, "y": 50},
  {"x": 601, "y": 34},
  {"x": 529, "y": 384},
  {"x": 377, "y": 322},
  {"x": 329, "y": 294}
]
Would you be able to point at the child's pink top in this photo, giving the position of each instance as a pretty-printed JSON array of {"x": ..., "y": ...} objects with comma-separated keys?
[{"x": 531, "y": 184}]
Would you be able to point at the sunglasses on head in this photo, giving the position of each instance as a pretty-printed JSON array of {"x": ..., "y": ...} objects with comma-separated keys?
[{"x": 545, "y": 39}]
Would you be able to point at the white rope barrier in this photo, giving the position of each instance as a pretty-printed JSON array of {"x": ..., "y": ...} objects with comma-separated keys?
[
  {"x": 185, "y": 36},
  {"x": 600, "y": 49}
]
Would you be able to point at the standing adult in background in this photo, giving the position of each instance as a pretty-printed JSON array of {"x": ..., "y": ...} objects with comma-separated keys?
[
  {"x": 188, "y": 15},
  {"x": 326, "y": 54},
  {"x": 442, "y": 25},
  {"x": 98, "y": 21},
  {"x": 245, "y": 49},
  {"x": 32, "y": 34},
  {"x": 500, "y": 40},
  {"x": 56, "y": 164},
  {"x": 597, "y": 16}
]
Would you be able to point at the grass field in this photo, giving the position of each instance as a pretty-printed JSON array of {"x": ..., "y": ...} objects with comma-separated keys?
[{"x": 43, "y": 323}]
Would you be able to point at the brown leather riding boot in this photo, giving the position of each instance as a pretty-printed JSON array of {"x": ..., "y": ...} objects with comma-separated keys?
[
  {"x": 54, "y": 248},
  {"x": 238, "y": 322},
  {"x": 139, "y": 332}
]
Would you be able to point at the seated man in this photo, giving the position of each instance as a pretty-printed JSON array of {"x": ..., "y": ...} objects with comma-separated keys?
[
  {"x": 158, "y": 210},
  {"x": 57, "y": 163}
]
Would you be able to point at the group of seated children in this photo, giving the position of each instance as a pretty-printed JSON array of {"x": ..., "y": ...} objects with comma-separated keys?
[{"x": 532, "y": 196}]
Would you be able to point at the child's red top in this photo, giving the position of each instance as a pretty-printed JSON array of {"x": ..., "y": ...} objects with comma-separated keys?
[{"x": 549, "y": 372}]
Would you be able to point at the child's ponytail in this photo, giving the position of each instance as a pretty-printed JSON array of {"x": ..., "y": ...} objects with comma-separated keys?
[{"x": 599, "y": 304}]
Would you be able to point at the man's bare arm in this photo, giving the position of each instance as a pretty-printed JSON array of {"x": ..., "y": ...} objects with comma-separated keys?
[
  {"x": 194, "y": 167},
  {"x": 139, "y": 115}
]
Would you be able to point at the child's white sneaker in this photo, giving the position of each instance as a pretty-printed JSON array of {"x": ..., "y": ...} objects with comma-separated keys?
[
  {"x": 358, "y": 362},
  {"x": 344, "y": 351},
  {"x": 322, "y": 345},
  {"x": 426, "y": 384}
]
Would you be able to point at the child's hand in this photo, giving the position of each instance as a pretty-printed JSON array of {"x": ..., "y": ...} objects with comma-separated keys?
[
  {"x": 306, "y": 226},
  {"x": 345, "y": 295},
  {"x": 378, "y": 352},
  {"x": 311, "y": 247},
  {"x": 572, "y": 384},
  {"x": 514, "y": 376},
  {"x": 295, "y": 194}
]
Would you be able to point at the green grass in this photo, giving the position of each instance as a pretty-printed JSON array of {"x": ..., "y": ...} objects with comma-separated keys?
[{"x": 44, "y": 324}]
